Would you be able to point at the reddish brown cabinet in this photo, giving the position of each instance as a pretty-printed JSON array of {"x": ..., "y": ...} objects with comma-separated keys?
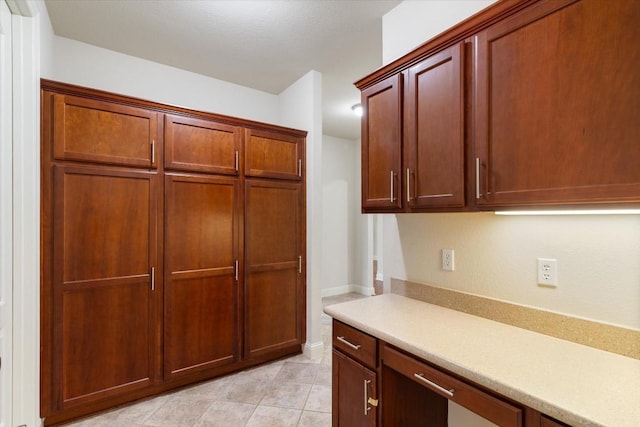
[
  {"x": 382, "y": 145},
  {"x": 413, "y": 137},
  {"x": 202, "y": 267},
  {"x": 434, "y": 132},
  {"x": 199, "y": 145},
  {"x": 271, "y": 154},
  {"x": 354, "y": 378},
  {"x": 100, "y": 288},
  {"x": 89, "y": 130},
  {"x": 274, "y": 267},
  {"x": 163, "y": 262},
  {"x": 556, "y": 105},
  {"x": 375, "y": 383},
  {"x": 525, "y": 104}
]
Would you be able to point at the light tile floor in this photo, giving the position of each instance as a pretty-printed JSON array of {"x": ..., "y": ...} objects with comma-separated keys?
[{"x": 291, "y": 392}]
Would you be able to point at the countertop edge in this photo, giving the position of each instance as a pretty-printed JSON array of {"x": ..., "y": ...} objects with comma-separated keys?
[{"x": 495, "y": 384}]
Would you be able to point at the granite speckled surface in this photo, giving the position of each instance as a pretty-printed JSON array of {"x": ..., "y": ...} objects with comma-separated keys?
[
  {"x": 579, "y": 385},
  {"x": 606, "y": 337}
]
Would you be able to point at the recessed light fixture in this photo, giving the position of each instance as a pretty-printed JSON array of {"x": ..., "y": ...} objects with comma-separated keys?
[
  {"x": 574, "y": 212},
  {"x": 357, "y": 110}
]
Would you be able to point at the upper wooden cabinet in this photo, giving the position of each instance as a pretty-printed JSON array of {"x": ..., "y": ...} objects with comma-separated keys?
[
  {"x": 557, "y": 104},
  {"x": 273, "y": 155},
  {"x": 525, "y": 104},
  {"x": 413, "y": 137},
  {"x": 102, "y": 132},
  {"x": 434, "y": 132},
  {"x": 382, "y": 145},
  {"x": 201, "y": 145}
]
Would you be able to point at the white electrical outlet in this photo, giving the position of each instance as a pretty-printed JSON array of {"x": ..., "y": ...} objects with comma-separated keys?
[
  {"x": 448, "y": 260},
  {"x": 548, "y": 272}
]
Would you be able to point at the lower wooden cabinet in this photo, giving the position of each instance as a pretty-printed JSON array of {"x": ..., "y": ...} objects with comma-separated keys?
[
  {"x": 375, "y": 383},
  {"x": 274, "y": 303},
  {"x": 352, "y": 387},
  {"x": 202, "y": 298},
  {"x": 99, "y": 292}
]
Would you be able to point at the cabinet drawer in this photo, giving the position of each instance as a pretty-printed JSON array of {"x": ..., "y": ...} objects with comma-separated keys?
[
  {"x": 358, "y": 345},
  {"x": 476, "y": 400}
]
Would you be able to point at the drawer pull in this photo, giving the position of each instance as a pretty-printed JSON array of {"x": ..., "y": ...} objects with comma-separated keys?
[
  {"x": 434, "y": 385},
  {"x": 353, "y": 346}
]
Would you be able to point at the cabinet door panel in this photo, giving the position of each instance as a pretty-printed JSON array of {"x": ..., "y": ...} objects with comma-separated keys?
[
  {"x": 201, "y": 291},
  {"x": 103, "y": 132},
  {"x": 382, "y": 145},
  {"x": 104, "y": 247},
  {"x": 557, "y": 89},
  {"x": 201, "y": 145},
  {"x": 434, "y": 134},
  {"x": 273, "y": 155},
  {"x": 350, "y": 382},
  {"x": 274, "y": 292}
]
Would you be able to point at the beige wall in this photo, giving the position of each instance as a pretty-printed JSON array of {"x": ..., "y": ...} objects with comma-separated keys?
[{"x": 598, "y": 256}]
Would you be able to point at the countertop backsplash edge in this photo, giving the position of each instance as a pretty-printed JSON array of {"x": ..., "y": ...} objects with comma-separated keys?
[{"x": 614, "y": 339}]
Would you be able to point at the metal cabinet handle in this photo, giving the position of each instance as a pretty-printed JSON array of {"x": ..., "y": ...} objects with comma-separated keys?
[
  {"x": 408, "y": 185},
  {"x": 353, "y": 346},
  {"x": 299, "y": 264},
  {"x": 368, "y": 400},
  {"x": 478, "y": 194},
  {"x": 437, "y": 387},
  {"x": 299, "y": 167},
  {"x": 237, "y": 159},
  {"x": 153, "y": 151},
  {"x": 236, "y": 270},
  {"x": 393, "y": 198},
  {"x": 153, "y": 278}
]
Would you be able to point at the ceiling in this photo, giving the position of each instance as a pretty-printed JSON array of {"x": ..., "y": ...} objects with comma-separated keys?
[{"x": 261, "y": 44}]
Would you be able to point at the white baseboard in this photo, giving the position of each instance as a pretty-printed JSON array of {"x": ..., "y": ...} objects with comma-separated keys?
[
  {"x": 338, "y": 290},
  {"x": 314, "y": 350}
]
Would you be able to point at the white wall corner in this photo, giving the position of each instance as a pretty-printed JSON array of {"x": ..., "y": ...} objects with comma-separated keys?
[
  {"x": 313, "y": 350},
  {"x": 26, "y": 220}
]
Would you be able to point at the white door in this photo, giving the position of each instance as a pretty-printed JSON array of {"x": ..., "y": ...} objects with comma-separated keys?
[{"x": 6, "y": 233}]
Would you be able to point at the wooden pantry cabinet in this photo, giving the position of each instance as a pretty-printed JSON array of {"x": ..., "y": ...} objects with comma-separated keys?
[
  {"x": 163, "y": 263},
  {"x": 529, "y": 103}
]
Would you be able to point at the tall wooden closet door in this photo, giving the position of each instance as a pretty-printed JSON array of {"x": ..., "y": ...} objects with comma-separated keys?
[
  {"x": 274, "y": 296},
  {"x": 201, "y": 286},
  {"x": 104, "y": 246}
]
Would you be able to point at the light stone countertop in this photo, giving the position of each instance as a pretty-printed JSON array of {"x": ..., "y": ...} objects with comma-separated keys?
[{"x": 579, "y": 385}]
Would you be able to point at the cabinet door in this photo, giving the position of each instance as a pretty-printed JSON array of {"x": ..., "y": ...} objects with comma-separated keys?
[
  {"x": 382, "y": 146},
  {"x": 273, "y": 155},
  {"x": 201, "y": 259},
  {"x": 103, "y": 132},
  {"x": 201, "y": 145},
  {"x": 352, "y": 386},
  {"x": 556, "y": 105},
  {"x": 104, "y": 250},
  {"x": 274, "y": 284},
  {"x": 434, "y": 134}
]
